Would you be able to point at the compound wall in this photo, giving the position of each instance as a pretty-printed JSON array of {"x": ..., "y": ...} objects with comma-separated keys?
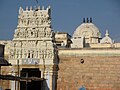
[{"x": 94, "y": 71}]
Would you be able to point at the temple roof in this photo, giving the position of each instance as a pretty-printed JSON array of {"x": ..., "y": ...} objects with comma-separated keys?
[
  {"x": 87, "y": 30},
  {"x": 106, "y": 39}
]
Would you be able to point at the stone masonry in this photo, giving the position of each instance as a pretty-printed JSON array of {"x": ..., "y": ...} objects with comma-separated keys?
[{"x": 95, "y": 72}]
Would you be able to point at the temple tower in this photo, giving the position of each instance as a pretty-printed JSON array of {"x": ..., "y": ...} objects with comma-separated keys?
[{"x": 33, "y": 46}]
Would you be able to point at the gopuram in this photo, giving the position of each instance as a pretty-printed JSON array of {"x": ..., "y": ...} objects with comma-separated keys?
[{"x": 33, "y": 49}]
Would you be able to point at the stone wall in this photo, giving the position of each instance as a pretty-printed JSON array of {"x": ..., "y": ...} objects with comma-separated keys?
[
  {"x": 96, "y": 72},
  {"x": 5, "y": 83}
]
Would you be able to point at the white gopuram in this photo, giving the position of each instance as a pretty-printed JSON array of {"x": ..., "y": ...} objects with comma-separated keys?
[{"x": 33, "y": 45}]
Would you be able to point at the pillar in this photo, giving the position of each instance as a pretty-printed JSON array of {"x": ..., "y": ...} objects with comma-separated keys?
[{"x": 53, "y": 82}]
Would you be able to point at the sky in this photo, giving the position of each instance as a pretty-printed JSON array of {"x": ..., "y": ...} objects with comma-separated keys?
[{"x": 66, "y": 15}]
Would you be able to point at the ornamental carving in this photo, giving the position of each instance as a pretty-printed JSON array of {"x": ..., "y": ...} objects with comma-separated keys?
[{"x": 33, "y": 38}]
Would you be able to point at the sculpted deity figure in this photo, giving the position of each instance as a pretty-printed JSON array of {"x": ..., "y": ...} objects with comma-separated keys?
[
  {"x": 11, "y": 53},
  {"x": 25, "y": 54},
  {"x": 15, "y": 35},
  {"x": 32, "y": 22},
  {"x": 50, "y": 54},
  {"x": 19, "y": 22}
]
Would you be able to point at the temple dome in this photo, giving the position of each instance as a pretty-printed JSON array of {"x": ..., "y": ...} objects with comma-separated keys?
[
  {"x": 86, "y": 30},
  {"x": 85, "y": 34}
]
